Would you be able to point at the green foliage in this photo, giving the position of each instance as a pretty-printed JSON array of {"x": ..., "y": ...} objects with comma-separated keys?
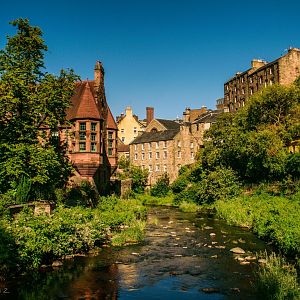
[
  {"x": 218, "y": 184},
  {"x": 23, "y": 190},
  {"x": 31, "y": 102},
  {"x": 28, "y": 241},
  {"x": 131, "y": 235},
  {"x": 139, "y": 177},
  {"x": 147, "y": 199},
  {"x": 272, "y": 218},
  {"x": 83, "y": 194},
  {"x": 161, "y": 187},
  {"x": 277, "y": 280},
  {"x": 189, "y": 207},
  {"x": 253, "y": 140}
]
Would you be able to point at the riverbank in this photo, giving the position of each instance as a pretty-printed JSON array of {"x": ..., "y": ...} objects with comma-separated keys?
[{"x": 30, "y": 242}]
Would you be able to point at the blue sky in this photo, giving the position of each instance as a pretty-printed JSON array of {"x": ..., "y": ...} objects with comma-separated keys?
[{"x": 168, "y": 54}]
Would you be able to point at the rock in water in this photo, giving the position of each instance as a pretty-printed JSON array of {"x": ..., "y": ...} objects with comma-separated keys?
[
  {"x": 57, "y": 263},
  {"x": 237, "y": 250},
  {"x": 210, "y": 290}
]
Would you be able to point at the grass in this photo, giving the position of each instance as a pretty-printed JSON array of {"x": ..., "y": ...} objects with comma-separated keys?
[
  {"x": 272, "y": 218},
  {"x": 131, "y": 235},
  {"x": 147, "y": 199},
  {"x": 189, "y": 207},
  {"x": 277, "y": 280}
]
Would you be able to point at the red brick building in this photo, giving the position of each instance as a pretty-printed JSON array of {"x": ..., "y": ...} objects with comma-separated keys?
[{"x": 92, "y": 135}]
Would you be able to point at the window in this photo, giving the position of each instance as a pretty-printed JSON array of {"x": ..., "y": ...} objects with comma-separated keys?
[
  {"x": 135, "y": 156},
  {"x": 157, "y": 155},
  {"x": 250, "y": 79},
  {"x": 149, "y": 145},
  {"x": 243, "y": 91},
  {"x": 143, "y": 156},
  {"x": 110, "y": 151},
  {"x": 242, "y": 79},
  {"x": 251, "y": 91},
  {"x": 235, "y": 99},
  {"x": 110, "y": 135},
  {"x": 135, "y": 146},
  {"x": 179, "y": 144},
  {"x": 157, "y": 168},
  {"x": 94, "y": 147},
  {"x": 270, "y": 71},
  {"x": 134, "y": 130},
  {"x": 179, "y": 154},
  {"x": 150, "y": 155},
  {"x": 165, "y": 144},
  {"x": 123, "y": 139},
  {"x": 143, "y": 148},
  {"x": 82, "y": 136},
  {"x": 82, "y": 126},
  {"x": 150, "y": 168},
  {"x": 82, "y": 147},
  {"x": 93, "y": 126},
  {"x": 93, "y": 136},
  {"x": 165, "y": 154},
  {"x": 122, "y": 130},
  {"x": 266, "y": 83},
  {"x": 178, "y": 167},
  {"x": 157, "y": 145},
  {"x": 192, "y": 155},
  {"x": 271, "y": 81},
  {"x": 192, "y": 145},
  {"x": 260, "y": 80},
  {"x": 165, "y": 168},
  {"x": 110, "y": 144}
]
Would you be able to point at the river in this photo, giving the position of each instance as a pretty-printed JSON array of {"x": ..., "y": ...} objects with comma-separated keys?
[{"x": 184, "y": 256}]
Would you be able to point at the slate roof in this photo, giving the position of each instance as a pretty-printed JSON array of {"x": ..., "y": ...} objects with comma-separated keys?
[
  {"x": 147, "y": 137},
  {"x": 111, "y": 123},
  {"x": 169, "y": 124},
  {"x": 122, "y": 147},
  {"x": 208, "y": 117},
  {"x": 83, "y": 103}
]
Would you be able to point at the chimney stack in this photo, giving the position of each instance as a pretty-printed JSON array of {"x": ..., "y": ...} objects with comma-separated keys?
[
  {"x": 149, "y": 114},
  {"x": 98, "y": 75}
]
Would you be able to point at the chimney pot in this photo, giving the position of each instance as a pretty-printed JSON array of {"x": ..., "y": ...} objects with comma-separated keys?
[{"x": 149, "y": 114}]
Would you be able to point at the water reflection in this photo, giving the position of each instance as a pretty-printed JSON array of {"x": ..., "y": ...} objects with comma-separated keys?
[{"x": 184, "y": 257}]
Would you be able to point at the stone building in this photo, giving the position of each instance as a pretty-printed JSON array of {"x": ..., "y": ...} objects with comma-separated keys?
[
  {"x": 91, "y": 133},
  {"x": 283, "y": 70},
  {"x": 129, "y": 126},
  {"x": 167, "y": 145}
]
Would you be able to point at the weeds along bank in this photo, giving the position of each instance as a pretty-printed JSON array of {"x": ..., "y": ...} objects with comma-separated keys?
[{"x": 28, "y": 241}]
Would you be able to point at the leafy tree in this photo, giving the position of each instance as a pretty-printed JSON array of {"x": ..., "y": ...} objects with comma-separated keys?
[
  {"x": 32, "y": 103},
  {"x": 139, "y": 176},
  {"x": 161, "y": 187}
]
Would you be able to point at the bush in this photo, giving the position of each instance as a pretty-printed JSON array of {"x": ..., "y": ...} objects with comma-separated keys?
[
  {"x": 161, "y": 187},
  {"x": 277, "y": 280}
]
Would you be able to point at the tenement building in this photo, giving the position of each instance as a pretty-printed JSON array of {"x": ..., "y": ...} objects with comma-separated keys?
[
  {"x": 130, "y": 126},
  {"x": 91, "y": 133},
  {"x": 167, "y": 145},
  {"x": 283, "y": 70}
]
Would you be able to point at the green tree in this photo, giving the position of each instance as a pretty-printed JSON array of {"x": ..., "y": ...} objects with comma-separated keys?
[{"x": 31, "y": 102}]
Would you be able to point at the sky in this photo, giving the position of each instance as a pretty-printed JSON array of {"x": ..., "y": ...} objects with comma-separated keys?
[{"x": 168, "y": 54}]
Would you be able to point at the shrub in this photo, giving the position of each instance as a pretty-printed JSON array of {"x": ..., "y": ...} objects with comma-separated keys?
[
  {"x": 161, "y": 187},
  {"x": 277, "y": 280}
]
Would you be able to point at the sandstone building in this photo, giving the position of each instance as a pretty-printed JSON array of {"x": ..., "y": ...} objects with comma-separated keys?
[
  {"x": 129, "y": 126},
  {"x": 283, "y": 70},
  {"x": 91, "y": 133},
  {"x": 167, "y": 145}
]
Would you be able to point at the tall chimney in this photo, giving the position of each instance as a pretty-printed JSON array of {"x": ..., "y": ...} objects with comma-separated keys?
[
  {"x": 149, "y": 114},
  {"x": 98, "y": 75}
]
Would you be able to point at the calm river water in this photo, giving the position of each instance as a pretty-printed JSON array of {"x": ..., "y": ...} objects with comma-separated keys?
[{"x": 185, "y": 256}]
